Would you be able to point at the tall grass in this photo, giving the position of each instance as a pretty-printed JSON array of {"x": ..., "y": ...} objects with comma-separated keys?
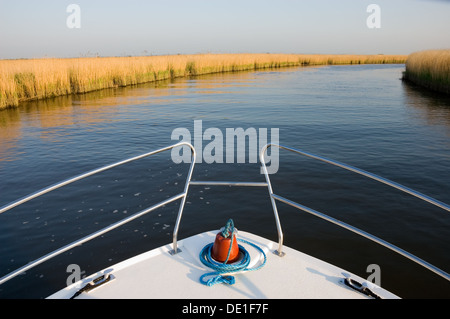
[
  {"x": 22, "y": 80},
  {"x": 430, "y": 69}
]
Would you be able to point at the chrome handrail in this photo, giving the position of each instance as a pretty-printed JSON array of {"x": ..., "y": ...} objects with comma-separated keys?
[
  {"x": 183, "y": 195},
  {"x": 405, "y": 189},
  {"x": 59, "y": 251}
]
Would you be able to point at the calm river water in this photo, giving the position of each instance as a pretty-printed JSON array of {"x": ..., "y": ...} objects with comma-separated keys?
[{"x": 362, "y": 115}]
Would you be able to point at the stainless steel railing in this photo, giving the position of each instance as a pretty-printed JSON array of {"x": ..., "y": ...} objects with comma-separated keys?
[
  {"x": 59, "y": 251},
  {"x": 410, "y": 191},
  {"x": 273, "y": 197}
]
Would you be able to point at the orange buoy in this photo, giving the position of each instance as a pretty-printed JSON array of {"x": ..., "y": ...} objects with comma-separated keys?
[{"x": 220, "y": 249}]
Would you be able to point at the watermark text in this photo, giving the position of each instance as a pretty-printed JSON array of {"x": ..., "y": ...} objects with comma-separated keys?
[
  {"x": 374, "y": 19},
  {"x": 237, "y": 145},
  {"x": 74, "y": 19}
]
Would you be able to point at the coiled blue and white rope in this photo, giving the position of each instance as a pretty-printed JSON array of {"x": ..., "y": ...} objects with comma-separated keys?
[{"x": 224, "y": 268}]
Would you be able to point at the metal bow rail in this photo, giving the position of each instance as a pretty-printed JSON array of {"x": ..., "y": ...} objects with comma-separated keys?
[
  {"x": 59, "y": 251},
  {"x": 373, "y": 238},
  {"x": 189, "y": 182}
]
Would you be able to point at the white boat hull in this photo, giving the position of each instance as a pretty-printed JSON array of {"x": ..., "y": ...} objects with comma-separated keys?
[{"x": 157, "y": 274}]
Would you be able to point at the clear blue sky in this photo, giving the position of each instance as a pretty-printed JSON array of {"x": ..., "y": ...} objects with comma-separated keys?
[{"x": 30, "y": 28}]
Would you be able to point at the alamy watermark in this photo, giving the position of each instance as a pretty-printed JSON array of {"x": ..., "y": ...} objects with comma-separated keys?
[
  {"x": 236, "y": 145},
  {"x": 76, "y": 274},
  {"x": 375, "y": 275},
  {"x": 73, "y": 21},
  {"x": 374, "y": 19}
]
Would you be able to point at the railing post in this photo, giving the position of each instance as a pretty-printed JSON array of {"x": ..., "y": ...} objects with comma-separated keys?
[
  {"x": 175, "y": 249},
  {"x": 110, "y": 227},
  {"x": 373, "y": 238},
  {"x": 279, "y": 251}
]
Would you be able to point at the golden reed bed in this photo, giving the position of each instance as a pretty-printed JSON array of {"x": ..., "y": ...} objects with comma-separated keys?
[
  {"x": 430, "y": 69},
  {"x": 22, "y": 80}
]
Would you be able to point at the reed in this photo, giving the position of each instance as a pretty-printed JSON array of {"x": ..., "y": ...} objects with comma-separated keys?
[
  {"x": 430, "y": 69},
  {"x": 22, "y": 80}
]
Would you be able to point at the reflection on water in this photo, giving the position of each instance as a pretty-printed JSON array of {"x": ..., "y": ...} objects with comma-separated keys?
[
  {"x": 431, "y": 107},
  {"x": 50, "y": 116},
  {"x": 362, "y": 115}
]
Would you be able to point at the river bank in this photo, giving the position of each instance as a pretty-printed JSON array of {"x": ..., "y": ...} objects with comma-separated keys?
[
  {"x": 429, "y": 69},
  {"x": 22, "y": 80}
]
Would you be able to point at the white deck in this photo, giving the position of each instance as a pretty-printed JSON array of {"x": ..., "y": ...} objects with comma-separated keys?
[{"x": 157, "y": 274}]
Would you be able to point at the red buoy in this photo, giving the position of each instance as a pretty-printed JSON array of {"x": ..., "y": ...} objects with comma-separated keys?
[{"x": 220, "y": 249}]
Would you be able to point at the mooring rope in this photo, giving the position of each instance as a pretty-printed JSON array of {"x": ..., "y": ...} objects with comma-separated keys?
[{"x": 224, "y": 268}]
